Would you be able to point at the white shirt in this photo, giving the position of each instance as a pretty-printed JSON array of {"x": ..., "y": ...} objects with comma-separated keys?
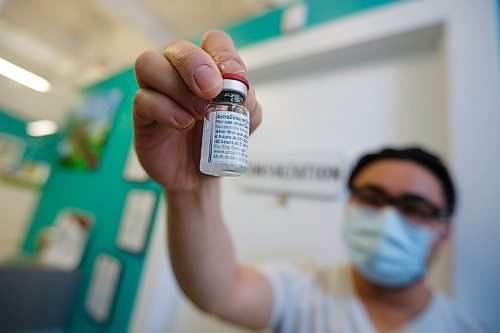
[{"x": 324, "y": 301}]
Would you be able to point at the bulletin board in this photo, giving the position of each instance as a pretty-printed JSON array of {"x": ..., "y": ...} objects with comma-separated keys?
[{"x": 102, "y": 192}]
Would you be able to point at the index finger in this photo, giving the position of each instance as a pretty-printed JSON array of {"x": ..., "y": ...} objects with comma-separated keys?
[
  {"x": 220, "y": 46},
  {"x": 196, "y": 67},
  {"x": 222, "y": 50}
]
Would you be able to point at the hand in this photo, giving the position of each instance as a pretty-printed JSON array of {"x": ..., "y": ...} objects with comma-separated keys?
[{"x": 169, "y": 107}]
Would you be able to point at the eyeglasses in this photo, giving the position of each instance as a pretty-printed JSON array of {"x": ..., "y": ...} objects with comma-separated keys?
[{"x": 410, "y": 205}]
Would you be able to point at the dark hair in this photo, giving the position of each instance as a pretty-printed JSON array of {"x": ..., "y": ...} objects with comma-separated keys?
[{"x": 414, "y": 154}]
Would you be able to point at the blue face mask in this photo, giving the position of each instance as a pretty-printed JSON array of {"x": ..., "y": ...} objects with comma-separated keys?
[{"x": 384, "y": 247}]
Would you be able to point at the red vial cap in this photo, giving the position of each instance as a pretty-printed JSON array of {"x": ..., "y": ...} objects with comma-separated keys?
[{"x": 238, "y": 77}]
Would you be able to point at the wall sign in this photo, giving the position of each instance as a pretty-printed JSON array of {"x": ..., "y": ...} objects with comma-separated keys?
[
  {"x": 11, "y": 151},
  {"x": 302, "y": 174},
  {"x": 136, "y": 218},
  {"x": 64, "y": 246},
  {"x": 102, "y": 288}
]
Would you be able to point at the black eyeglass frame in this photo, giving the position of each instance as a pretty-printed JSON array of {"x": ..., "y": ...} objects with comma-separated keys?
[{"x": 400, "y": 202}]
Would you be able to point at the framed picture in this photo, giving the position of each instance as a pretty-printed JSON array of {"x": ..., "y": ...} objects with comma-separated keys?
[
  {"x": 103, "y": 285},
  {"x": 11, "y": 151},
  {"x": 135, "y": 220},
  {"x": 30, "y": 174},
  {"x": 88, "y": 129},
  {"x": 16, "y": 171},
  {"x": 63, "y": 244}
]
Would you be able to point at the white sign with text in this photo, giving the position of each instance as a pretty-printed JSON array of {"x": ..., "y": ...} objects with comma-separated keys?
[{"x": 302, "y": 174}]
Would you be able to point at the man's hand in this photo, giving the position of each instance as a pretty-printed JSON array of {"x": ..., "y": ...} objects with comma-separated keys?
[
  {"x": 169, "y": 108},
  {"x": 175, "y": 88}
]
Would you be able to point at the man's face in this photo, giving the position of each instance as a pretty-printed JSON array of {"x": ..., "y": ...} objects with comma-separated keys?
[{"x": 397, "y": 179}]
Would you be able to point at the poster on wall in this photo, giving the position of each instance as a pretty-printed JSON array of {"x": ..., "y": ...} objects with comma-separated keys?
[
  {"x": 102, "y": 289},
  {"x": 135, "y": 221},
  {"x": 11, "y": 151},
  {"x": 88, "y": 128},
  {"x": 30, "y": 174},
  {"x": 62, "y": 245}
]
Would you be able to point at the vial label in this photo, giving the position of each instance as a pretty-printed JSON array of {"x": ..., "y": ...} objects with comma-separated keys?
[{"x": 228, "y": 134}]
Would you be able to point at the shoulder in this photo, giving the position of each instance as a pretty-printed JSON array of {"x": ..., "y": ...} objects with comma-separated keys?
[
  {"x": 287, "y": 279},
  {"x": 304, "y": 273}
]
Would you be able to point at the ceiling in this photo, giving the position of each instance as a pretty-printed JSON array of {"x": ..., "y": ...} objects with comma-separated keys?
[{"x": 72, "y": 43}]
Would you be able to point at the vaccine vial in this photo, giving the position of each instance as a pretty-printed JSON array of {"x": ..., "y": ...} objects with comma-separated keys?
[{"x": 226, "y": 130}]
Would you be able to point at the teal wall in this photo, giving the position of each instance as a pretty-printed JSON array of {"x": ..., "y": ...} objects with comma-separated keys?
[
  {"x": 102, "y": 192},
  {"x": 267, "y": 26},
  {"x": 12, "y": 124}
]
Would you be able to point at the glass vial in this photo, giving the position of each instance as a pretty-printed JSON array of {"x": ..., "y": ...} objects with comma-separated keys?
[{"x": 226, "y": 128}]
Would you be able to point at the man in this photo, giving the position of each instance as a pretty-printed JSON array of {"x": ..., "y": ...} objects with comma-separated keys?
[{"x": 397, "y": 218}]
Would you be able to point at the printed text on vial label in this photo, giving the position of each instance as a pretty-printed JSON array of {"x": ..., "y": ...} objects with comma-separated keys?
[{"x": 230, "y": 138}]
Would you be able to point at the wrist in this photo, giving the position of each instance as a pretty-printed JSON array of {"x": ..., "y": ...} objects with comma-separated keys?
[{"x": 207, "y": 189}]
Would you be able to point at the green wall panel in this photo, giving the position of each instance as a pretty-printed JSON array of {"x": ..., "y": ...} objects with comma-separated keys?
[
  {"x": 326, "y": 10},
  {"x": 267, "y": 25},
  {"x": 11, "y": 124},
  {"x": 102, "y": 193}
]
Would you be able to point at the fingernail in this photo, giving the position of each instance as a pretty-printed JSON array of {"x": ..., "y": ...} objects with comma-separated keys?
[
  {"x": 207, "y": 78},
  {"x": 183, "y": 119},
  {"x": 232, "y": 66}
]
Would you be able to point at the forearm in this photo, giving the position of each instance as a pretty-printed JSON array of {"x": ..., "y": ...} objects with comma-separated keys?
[{"x": 201, "y": 252}]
